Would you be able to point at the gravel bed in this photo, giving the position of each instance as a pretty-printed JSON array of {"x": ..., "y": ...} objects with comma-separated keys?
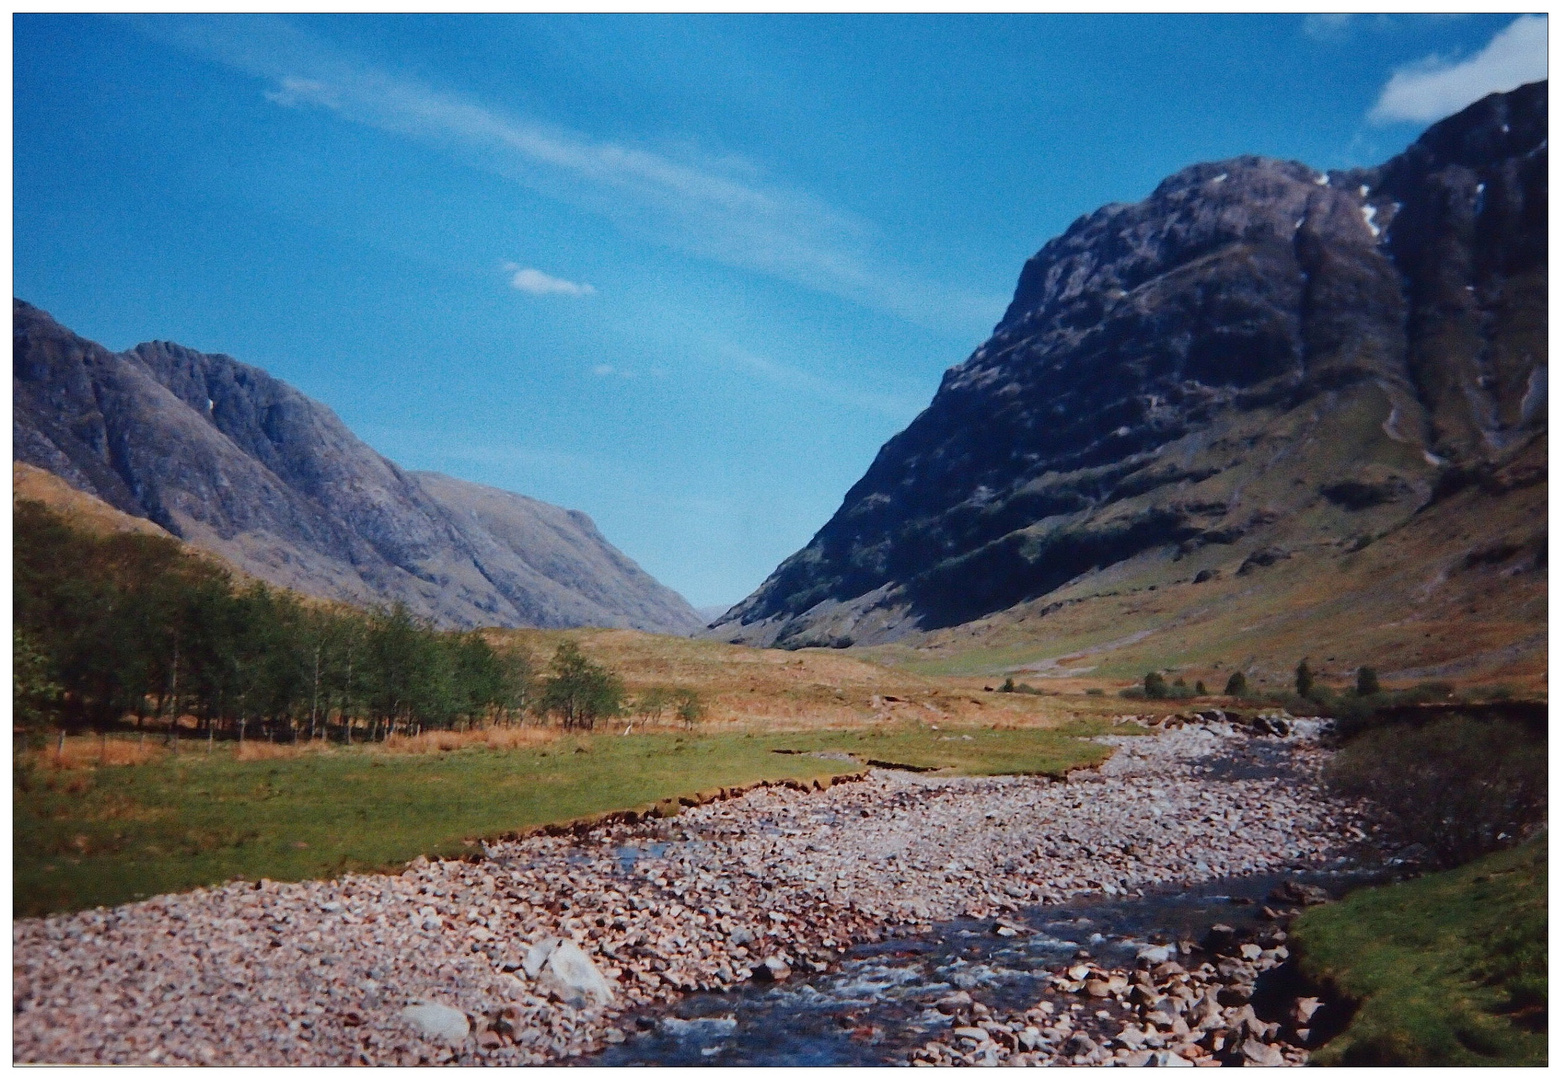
[{"x": 773, "y": 881}]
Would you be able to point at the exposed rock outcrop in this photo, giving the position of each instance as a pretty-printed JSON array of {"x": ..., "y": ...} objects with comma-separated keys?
[{"x": 1258, "y": 356}]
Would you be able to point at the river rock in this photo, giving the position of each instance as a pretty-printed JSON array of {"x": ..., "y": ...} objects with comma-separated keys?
[
  {"x": 1261, "y": 1053},
  {"x": 1297, "y": 892},
  {"x": 537, "y": 955},
  {"x": 772, "y": 969},
  {"x": 435, "y": 1021},
  {"x": 573, "y": 977},
  {"x": 703, "y": 1027}
]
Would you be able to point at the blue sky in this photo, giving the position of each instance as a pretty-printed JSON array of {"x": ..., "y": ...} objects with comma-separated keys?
[{"x": 686, "y": 274}]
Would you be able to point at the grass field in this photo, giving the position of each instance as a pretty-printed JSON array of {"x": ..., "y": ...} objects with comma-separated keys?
[
  {"x": 1448, "y": 969},
  {"x": 106, "y": 834}
]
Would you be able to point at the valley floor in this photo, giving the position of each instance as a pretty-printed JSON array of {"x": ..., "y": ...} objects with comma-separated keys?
[{"x": 774, "y": 881}]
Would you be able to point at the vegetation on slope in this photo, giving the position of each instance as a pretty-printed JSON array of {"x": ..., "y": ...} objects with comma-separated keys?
[{"x": 1448, "y": 969}]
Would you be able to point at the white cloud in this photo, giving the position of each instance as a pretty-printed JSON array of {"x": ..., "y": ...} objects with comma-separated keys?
[
  {"x": 1326, "y": 27},
  {"x": 711, "y": 208},
  {"x": 535, "y": 282},
  {"x": 1433, "y": 88}
]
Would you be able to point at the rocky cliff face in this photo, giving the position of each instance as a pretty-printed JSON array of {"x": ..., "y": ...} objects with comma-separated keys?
[
  {"x": 1257, "y": 358},
  {"x": 238, "y": 463}
]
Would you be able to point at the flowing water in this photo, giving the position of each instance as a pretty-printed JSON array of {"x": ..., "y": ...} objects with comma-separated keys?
[{"x": 877, "y": 1006}]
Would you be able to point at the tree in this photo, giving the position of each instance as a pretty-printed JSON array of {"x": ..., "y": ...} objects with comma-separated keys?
[
  {"x": 1201, "y": 688},
  {"x": 1236, "y": 685},
  {"x": 1305, "y": 681},
  {"x": 653, "y": 703},
  {"x": 518, "y": 686},
  {"x": 579, "y": 691},
  {"x": 689, "y": 708},
  {"x": 1366, "y": 682},
  {"x": 35, "y": 695},
  {"x": 1155, "y": 687}
]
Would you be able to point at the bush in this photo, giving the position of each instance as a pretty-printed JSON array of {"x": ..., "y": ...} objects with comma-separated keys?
[
  {"x": 1094, "y": 691},
  {"x": 1460, "y": 787},
  {"x": 1366, "y": 682},
  {"x": 1155, "y": 688},
  {"x": 1305, "y": 681},
  {"x": 1236, "y": 685}
]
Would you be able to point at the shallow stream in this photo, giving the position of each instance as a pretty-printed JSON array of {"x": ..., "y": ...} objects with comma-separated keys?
[{"x": 877, "y": 1005}]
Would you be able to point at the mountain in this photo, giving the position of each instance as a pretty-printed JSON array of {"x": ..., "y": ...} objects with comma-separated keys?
[
  {"x": 240, "y": 464},
  {"x": 1259, "y": 366}
]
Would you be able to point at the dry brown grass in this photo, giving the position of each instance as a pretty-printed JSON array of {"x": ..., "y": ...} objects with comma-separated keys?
[
  {"x": 254, "y": 750},
  {"x": 92, "y": 751},
  {"x": 434, "y": 742},
  {"x": 780, "y": 690}
]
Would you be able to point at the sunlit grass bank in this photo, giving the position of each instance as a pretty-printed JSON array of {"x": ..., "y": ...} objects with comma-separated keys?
[{"x": 1448, "y": 969}]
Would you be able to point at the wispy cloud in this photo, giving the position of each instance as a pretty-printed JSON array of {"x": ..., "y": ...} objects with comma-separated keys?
[
  {"x": 709, "y": 208},
  {"x": 1435, "y": 87},
  {"x": 1326, "y": 27},
  {"x": 533, "y": 281},
  {"x": 797, "y": 380}
]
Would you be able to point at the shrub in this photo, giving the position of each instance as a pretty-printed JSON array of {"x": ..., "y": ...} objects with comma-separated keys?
[
  {"x": 1305, "y": 681},
  {"x": 1236, "y": 685},
  {"x": 1094, "y": 691},
  {"x": 1366, "y": 683},
  {"x": 1458, "y": 786},
  {"x": 1155, "y": 688},
  {"x": 1007, "y": 687},
  {"x": 1201, "y": 688}
]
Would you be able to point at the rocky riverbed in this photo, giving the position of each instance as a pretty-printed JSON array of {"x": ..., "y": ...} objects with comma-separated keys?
[
  {"x": 1226, "y": 999},
  {"x": 544, "y": 947}
]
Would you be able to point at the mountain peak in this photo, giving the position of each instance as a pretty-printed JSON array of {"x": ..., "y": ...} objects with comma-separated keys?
[{"x": 1218, "y": 365}]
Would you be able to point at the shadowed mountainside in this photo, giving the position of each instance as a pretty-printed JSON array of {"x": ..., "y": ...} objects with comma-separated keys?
[
  {"x": 242, "y": 465},
  {"x": 1259, "y": 366}
]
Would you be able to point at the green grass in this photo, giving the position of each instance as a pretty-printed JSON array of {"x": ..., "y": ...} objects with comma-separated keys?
[
  {"x": 975, "y": 751},
  {"x": 1448, "y": 969},
  {"x": 106, "y": 836}
]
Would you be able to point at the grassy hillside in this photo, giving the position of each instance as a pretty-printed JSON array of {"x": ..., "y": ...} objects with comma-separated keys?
[
  {"x": 83, "y": 511},
  {"x": 1448, "y": 969},
  {"x": 1458, "y": 592},
  {"x": 776, "y": 690},
  {"x": 106, "y": 834}
]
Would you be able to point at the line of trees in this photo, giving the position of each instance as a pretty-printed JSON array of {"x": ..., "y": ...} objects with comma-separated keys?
[{"x": 127, "y": 627}]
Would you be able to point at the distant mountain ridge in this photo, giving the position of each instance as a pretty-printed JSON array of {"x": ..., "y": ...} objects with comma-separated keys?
[
  {"x": 236, "y": 462},
  {"x": 1256, "y": 361}
]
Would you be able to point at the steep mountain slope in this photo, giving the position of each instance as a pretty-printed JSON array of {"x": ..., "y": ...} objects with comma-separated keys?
[
  {"x": 1255, "y": 365},
  {"x": 240, "y": 464}
]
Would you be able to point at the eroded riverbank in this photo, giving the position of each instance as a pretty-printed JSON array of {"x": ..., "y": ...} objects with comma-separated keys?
[{"x": 771, "y": 883}]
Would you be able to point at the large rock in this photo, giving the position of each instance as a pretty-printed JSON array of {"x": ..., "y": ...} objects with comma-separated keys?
[
  {"x": 435, "y": 1021},
  {"x": 240, "y": 464},
  {"x": 562, "y": 969}
]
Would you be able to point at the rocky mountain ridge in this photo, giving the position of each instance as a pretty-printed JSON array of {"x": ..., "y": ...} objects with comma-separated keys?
[
  {"x": 1257, "y": 361},
  {"x": 238, "y": 463}
]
